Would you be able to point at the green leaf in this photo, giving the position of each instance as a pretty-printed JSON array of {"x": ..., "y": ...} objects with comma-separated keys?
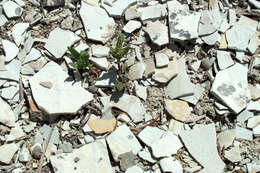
[
  {"x": 74, "y": 52},
  {"x": 73, "y": 64}
]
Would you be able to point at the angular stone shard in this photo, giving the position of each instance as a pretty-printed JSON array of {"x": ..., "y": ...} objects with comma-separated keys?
[
  {"x": 92, "y": 157},
  {"x": 12, "y": 9},
  {"x": 231, "y": 87},
  {"x": 157, "y": 32},
  {"x": 64, "y": 97},
  {"x": 11, "y": 50},
  {"x": 98, "y": 25},
  {"x": 179, "y": 110},
  {"x": 7, "y": 152},
  {"x": 118, "y": 7},
  {"x": 183, "y": 25},
  {"x": 7, "y": 116},
  {"x": 67, "y": 38},
  {"x": 121, "y": 141},
  {"x": 201, "y": 144}
]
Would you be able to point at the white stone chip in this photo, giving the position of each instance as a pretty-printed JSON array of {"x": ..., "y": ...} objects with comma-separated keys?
[
  {"x": 201, "y": 144},
  {"x": 183, "y": 25},
  {"x": 226, "y": 138},
  {"x": 136, "y": 71},
  {"x": 101, "y": 63},
  {"x": 233, "y": 154},
  {"x": 253, "y": 122},
  {"x": 163, "y": 75},
  {"x": 161, "y": 59},
  {"x": 121, "y": 141},
  {"x": 7, "y": 152},
  {"x": 146, "y": 155},
  {"x": 3, "y": 20},
  {"x": 141, "y": 91},
  {"x": 166, "y": 146},
  {"x": 67, "y": 38},
  {"x": 238, "y": 41},
  {"x": 7, "y": 116},
  {"x": 224, "y": 59},
  {"x": 243, "y": 134},
  {"x": 152, "y": 12},
  {"x": 32, "y": 56},
  {"x": 150, "y": 134},
  {"x": 256, "y": 130},
  {"x": 254, "y": 106},
  {"x": 98, "y": 25},
  {"x": 157, "y": 32},
  {"x": 134, "y": 169},
  {"x": 9, "y": 92},
  {"x": 179, "y": 86},
  {"x": 231, "y": 87},
  {"x": 131, "y": 26},
  {"x": 18, "y": 32},
  {"x": 118, "y": 7},
  {"x": 11, "y": 50},
  {"x": 107, "y": 79},
  {"x": 169, "y": 165},
  {"x": 92, "y": 157},
  {"x": 12, "y": 9},
  {"x": 99, "y": 51},
  {"x": 13, "y": 71},
  {"x": 63, "y": 96},
  {"x": 212, "y": 39}
]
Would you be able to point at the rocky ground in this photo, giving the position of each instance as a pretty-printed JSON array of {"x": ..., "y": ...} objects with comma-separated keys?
[{"x": 192, "y": 102}]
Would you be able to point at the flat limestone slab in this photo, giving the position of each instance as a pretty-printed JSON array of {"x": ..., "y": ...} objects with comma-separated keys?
[
  {"x": 201, "y": 144},
  {"x": 92, "y": 158},
  {"x": 55, "y": 93}
]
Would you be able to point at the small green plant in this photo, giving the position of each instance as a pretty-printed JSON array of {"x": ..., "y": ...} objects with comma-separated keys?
[
  {"x": 118, "y": 53},
  {"x": 80, "y": 59}
]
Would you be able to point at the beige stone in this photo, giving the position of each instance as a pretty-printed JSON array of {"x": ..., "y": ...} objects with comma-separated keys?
[
  {"x": 100, "y": 126},
  {"x": 223, "y": 43},
  {"x": 179, "y": 110}
]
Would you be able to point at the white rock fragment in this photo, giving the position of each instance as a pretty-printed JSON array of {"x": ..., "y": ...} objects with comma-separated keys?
[
  {"x": 135, "y": 110},
  {"x": 67, "y": 38},
  {"x": 12, "y": 71},
  {"x": 255, "y": 3},
  {"x": 150, "y": 134},
  {"x": 238, "y": 41},
  {"x": 9, "y": 92},
  {"x": 53, "y": 99},
  {"x": 132, "y": 13},
  {"x": 233, "y": 154},
  {"x": 131, "y": 26},
  {"x": 98, "y": 26},
  {"x": 101, "y": 63},
  {"x": 141, "y": 91},
  {"x": 244, "y": 115},
  {"x": 7, "y": 116},
  {"x": 198, "y": 92},
  {"x": 11, "y": 50},
  {"x": 161, "y": 59},
  {"x": 118, "y": 7},
  {"x": 92, "y": 157},
  {"x": 169, "y": 165},
  {"x": 224, "y": 59},
  {"x": 81, "y": 47},
  {"x": 209, "y": 22},
  {"x": 146, "y": 155},
  {"x": 107, "y": 79},
  {"x": 226, "y": 138},
  {"x": 212, "y": 39},
  {"x": 99, "y": 51},
  {"x": 243, "y": 134},
  {"x": 15, "y": 133},
  {"x": 253, "y": 122},
  {"x": 136, "y": 71},
  {"x": 3, "y": 20},
  {"x": 157, "y": 32},
  {"x": 256, "y": 130},
  {"x": 231, "y": 87},
  {"x": 201, "y": 144},
  {"x": 254, "y": 106},
  {"x": 163, "y": 75},
  {"x": 32, "y": 56},
  {"x": 121, "y": 141},
  {"x": 18, "y": 32},
  {"x": 12, "y": 9},
  {"x": 166, "y": 146},
  {"x": 183, "y": 25},
  {"x": 179, "y": 86},
  {"x": 7, "y": 152},
  {"x": 134, "y": 169},
  {"x": 253, "y": 167},
  {"x": 152, "y": 12}
]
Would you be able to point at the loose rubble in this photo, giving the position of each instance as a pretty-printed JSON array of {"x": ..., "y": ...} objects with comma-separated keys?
[{"x": 184, "y": 98}]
